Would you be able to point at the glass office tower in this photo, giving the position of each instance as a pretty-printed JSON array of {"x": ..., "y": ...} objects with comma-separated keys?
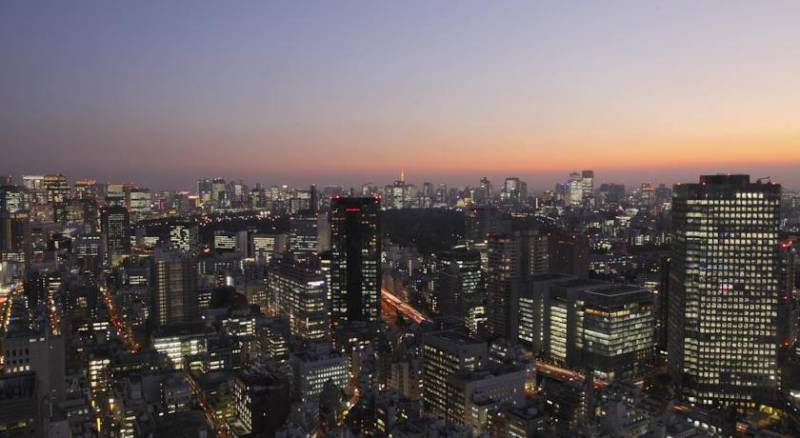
[{"x": 725, "y": 284}]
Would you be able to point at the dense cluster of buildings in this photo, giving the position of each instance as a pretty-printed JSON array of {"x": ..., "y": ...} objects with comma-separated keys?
[{"x": 399, "y": 311}]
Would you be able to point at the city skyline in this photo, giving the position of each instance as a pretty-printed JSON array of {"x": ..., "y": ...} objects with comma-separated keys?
[
  {"x": 163, "y": 94},
  {"x": 542, "y": 182},
  {"x": 455, "y": 219}
]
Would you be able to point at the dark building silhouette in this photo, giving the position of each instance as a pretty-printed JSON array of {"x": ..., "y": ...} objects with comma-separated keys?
[
  {"x": 15, "y": 237},
  {"x": 569, "y": 254},
  {"x": 173, "y": 287},
  {"x": 355, "y": 259},
  {"x": 513, "y": 259},
  {"x": 460, "y": 291}
]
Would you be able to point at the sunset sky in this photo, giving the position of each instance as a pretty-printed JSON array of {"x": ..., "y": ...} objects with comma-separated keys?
[{"x": 163, "y": 92}]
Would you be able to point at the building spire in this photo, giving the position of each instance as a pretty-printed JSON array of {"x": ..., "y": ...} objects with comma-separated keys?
[{"x": 402, "y": 175}]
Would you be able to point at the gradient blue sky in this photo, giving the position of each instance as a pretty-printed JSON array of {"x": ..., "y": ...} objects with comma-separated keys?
[{"x": 161, "y": 92}]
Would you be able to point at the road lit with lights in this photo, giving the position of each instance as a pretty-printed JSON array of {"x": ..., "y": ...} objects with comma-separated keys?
[
  {"x": 392, "y": 301},
  {"x": 402, "y": 307},
  {"x": 222, "y": 428},
  {"x": 121, "y": 328}
]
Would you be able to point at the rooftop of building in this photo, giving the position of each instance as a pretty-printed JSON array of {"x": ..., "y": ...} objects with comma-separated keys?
[
  {"x": 549, "y": 277},
  {"x": 494, "y": 370},
  {"x": 181, "y": 329},
  {"x": 186, "y": 424},
  {"x": 453, "y": 337},
  {"x": 317, "y": 353},
  {"x": 616, "y": 290},
  {"x": 726, "y": 183}
]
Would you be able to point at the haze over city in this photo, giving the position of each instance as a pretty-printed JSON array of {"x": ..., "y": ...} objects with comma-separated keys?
[
  {"x": 347, "y": 92},
  {"x": 418, "y": 219}
]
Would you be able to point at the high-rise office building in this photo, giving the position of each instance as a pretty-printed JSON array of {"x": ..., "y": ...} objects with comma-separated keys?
[
  {"x": 355, "y": 259},
  {"x": 263, "y": 247},
  {"x": 304, "y": 234},
  {"x": 15, "y": 237},
  {"x": 173, "y": 287},
  {"x": 569, "y": 253},
  {"x": 55, "y": 188},
  {"x": 513, "y": 259},
  {"x": 212, "y": 191},
  {"x": 460, "y": 290},
  {"x": 575, "y": 189},
  {"x": 33, "y": 182},
  {"x": 480, "y": 221},
  {"x": 117, "y": 194},
  {"x": 140, "y": 202},
  {"x": 301, "y": 296},
  {"x": 12, "y": 199},
  {"x": 725, "y": 285},
  {"x": 611, "y": 193},
  {"x": 587, "y": 186},
  {"x": 443, "y": 355},
  {"x": 514, "y": 190},
  {"x": 597, "y": 326},
  {"x": 85, "y": 189},
  {"x": 116, "y": 232},
  {"x": 483, "y": 194}
]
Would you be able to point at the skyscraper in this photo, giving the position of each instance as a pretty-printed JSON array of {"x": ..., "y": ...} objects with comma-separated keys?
[
  {"x": 575, "y": 185},
  {"x": 592, "y": 325},
  {"x": 56, "y": 188},
  {"x": 725, "y": 284},
  {"x": 301, "y": 297},
  {"x": 587, "y": 189},
  {"x": 115, "y": 229},
  {"x": 86, "y": 189},
  {"x": 173, "y": 287},
  {"x": 303, "y": 234},
  {"x": 513, "y": 259},
  {"x": 444, "y": 354},
  {"x": 459, "y": 287},
  {"x": 355, "y": 259}
]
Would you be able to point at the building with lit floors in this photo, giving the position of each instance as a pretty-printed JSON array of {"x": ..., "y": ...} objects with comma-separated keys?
[
  {"x": 601, "y": 327},
  {"x": 173, "y": 286},
  {"x": 460, "y": 291},
  {"x": 513, "y": 259},
  {"x": 473, "y": 395},
  {"x": 178, "y": 341},
  {"x": 116, "y": 232},
  {"x": 29, "y": 344},
  {"x": 301, "y": 296},
  {"x": 304, "y": 234},
  {"x": 355, "y": 260},
  {"x": 443, "y": 355},
  {"x": 531, "y": 310},
  {"x": 261, "y": 401},
  {"x": 55, "y": 188},
  {"x": 15, "y": 237},
  {"x": 725, "y": 283},
  {"x": 315, "y": 366},
  {"x": 587, "y": 189}
]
